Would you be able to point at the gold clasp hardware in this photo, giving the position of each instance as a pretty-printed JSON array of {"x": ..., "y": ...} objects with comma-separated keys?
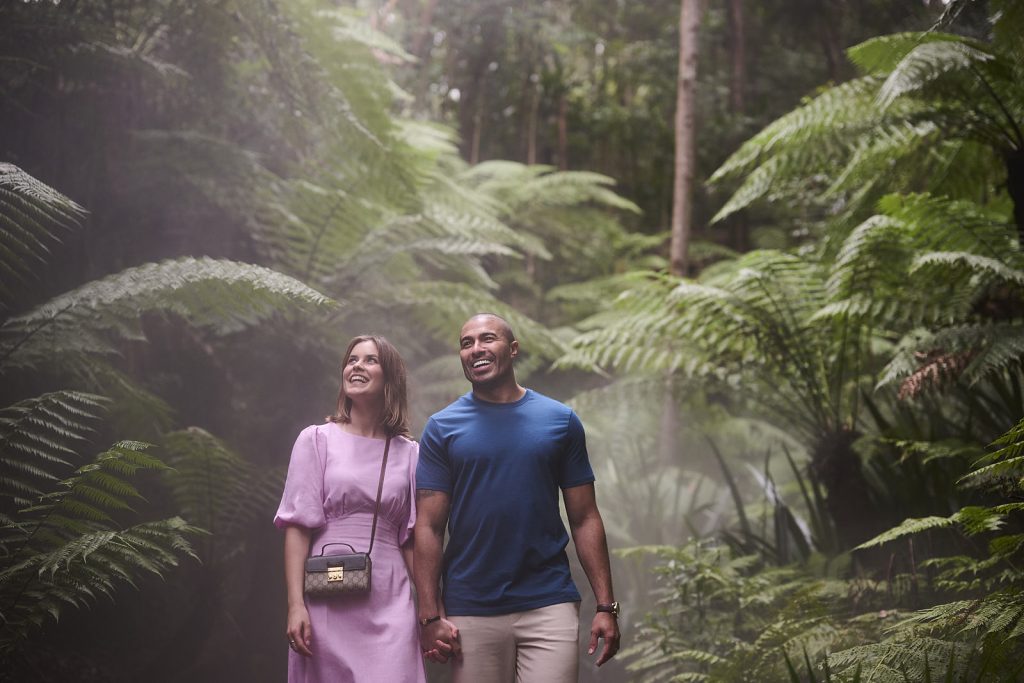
[{"x": 335, "y": 573}]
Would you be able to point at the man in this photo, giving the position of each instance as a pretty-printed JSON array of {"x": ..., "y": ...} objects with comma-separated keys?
[{"x": 491, "y": 465}]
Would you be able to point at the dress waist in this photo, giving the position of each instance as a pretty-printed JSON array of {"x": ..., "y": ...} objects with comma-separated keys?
[{"x": 355, "y": 530}]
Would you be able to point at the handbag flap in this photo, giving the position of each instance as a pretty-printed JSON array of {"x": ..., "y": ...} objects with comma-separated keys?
[{"x": 351, "y": 562}]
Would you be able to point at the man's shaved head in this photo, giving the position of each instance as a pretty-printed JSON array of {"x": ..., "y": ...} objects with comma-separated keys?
[{"x": 505, "y": 328}]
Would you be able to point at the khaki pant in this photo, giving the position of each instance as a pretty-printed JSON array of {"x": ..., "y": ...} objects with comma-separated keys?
[{"x": 536, "y": 646}]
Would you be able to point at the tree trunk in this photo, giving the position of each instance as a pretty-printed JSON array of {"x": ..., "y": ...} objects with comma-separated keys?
[
  {"x": 531, "y": 124},
  {"x": 419, "y": 40},
  {"x": 828, "y": 27},
  {"x": 836, "y": 466},
  {"x": 474, "y": 147},
  {"x": 738, "y": 57},
  {"x": 682, "y": 188},
  {"x": 563, "y": 133}
]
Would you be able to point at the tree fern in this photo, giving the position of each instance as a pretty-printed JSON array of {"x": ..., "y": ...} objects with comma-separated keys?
[
  {"x": 222, "y": 295},
  {"x": 900, "y": 123},
  {"x": 31, "y": 217},
  {"x": 955, "y": 630},
  {"x": 738, "y": 323},
  {"x": 38, "y": 434},
  {"x": 217, "y": 490},
  {"x": 67, "y": 550}
]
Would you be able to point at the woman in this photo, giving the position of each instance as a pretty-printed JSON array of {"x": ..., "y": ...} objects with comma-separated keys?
[{"x": 329, "y": 497}]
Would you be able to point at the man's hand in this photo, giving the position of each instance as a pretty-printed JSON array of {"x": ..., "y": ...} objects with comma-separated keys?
[
  {"x": 440, "y": 641},
  {"x": 606, "y": 627}
]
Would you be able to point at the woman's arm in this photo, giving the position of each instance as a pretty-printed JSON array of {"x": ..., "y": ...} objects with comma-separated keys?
[
  {"x": 408, "y": 548},
  {"x": 296, "y": 550}
]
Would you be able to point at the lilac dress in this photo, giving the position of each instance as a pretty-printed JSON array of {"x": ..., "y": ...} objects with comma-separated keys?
[{"x": 331, "y": 489}]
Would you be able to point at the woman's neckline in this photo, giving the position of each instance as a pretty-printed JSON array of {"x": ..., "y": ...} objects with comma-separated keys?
[{"x": 358, "y": 436}]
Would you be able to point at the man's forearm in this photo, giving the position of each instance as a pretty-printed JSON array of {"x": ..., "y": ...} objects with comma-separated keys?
[
  {"x": 432, "y": 517},
  {"x": 427, "y": 571},
  {"x": 592, "y": 549}
]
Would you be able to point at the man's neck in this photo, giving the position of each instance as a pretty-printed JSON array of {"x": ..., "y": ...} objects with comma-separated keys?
[{"x": 505, "y": 393}]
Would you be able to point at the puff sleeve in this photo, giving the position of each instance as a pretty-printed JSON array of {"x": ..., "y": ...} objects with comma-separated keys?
[
  {"x": 406, "y": 531},
  {"x": 302, "y": 503}
]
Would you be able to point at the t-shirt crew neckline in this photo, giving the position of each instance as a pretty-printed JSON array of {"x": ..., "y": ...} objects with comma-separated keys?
[{"x": 493, "y": 404}]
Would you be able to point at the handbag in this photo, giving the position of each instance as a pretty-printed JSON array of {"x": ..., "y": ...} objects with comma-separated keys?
[{"x": 349, "y": 573}]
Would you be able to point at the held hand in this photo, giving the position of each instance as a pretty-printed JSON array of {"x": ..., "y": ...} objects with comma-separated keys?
[
  {"x": 440, "y": 641},
  {"x": 606, "y": 627},
  {"x": 300, "y": 631}
]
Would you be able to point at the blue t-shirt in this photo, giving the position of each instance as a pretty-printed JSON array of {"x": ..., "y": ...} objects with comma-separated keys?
[{"x": 503, "y": 465}]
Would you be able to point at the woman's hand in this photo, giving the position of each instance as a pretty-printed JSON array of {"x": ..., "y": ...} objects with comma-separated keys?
[{"x": 300, "y": 631}]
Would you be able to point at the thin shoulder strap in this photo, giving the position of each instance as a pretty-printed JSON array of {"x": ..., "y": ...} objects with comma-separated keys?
[{"x": 380, "y": 488}]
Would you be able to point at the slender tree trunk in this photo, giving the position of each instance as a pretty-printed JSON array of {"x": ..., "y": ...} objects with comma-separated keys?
[
  {"x": 531, "y": 124},
  {"x": 419, "y": 40},
  {"x": 682, "y": 188},
  {"x": 828, "y": 23},
  {"x": 563, "y": 132},
  {"x": 738, "y": 57},
  {"x": 474, "y": 147},
  {"x": 737, "y": 103}
]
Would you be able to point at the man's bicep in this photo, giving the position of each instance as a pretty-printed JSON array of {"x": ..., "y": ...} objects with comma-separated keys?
[
  {"x": 432, "y": 508},
  {"x": 580, "y": 502}
]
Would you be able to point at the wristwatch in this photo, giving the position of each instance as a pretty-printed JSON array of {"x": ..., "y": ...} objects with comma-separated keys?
[
  {"x": 430, "y": 620},
  {"x": 611, "y": 608}
]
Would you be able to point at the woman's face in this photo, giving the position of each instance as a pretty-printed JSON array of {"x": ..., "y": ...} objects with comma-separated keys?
[{"x": 362, "y": 375}]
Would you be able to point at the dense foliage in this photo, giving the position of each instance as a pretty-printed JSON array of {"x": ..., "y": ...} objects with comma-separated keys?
[{"x": 887, "y": 347}]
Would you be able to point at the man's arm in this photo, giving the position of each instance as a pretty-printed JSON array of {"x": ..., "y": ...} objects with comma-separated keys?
[
  {"x": 592, "y": 548},
  {"x": 431, "y": 519}
]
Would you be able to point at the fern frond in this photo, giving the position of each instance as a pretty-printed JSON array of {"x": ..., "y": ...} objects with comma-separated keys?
[
  {"x": 32, "y": 215},
  {"x": 442, "y": 307},
  {"x": 927, "y": 62},
  {"x": 814, "y": 123},
  {"x": 223, "y": 295},
  {"x": 66, "y": 550},
  {"x": 881, "y": 55},
  {"x": 909, "y": 527},
  {"x": 37, "y": 436},
  {"x": 76, "y": 572},
  {"x": 216, "y": 489}
]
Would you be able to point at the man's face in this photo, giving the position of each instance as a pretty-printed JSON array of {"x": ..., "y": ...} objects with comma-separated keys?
[{"x": 485, "y": 351}]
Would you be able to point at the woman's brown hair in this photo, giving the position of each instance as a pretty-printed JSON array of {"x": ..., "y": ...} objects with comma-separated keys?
[{"x": 395, "y": 414}]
